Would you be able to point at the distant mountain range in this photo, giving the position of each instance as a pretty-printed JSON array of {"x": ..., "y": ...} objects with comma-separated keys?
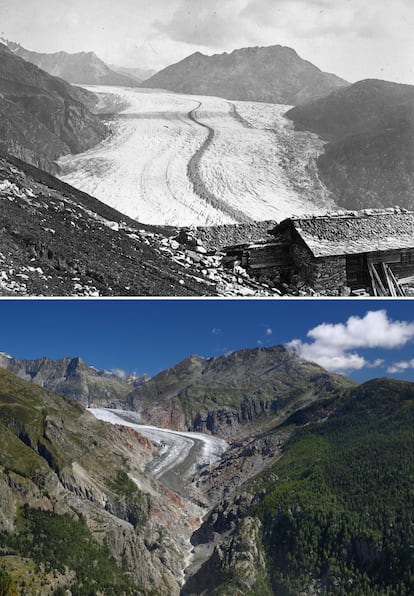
[
  {"x": 369, "y": 158},
  {"x": 273, "y": 74},
  {"x": 138, "y": 74},
  {"x": 81, "y": 68},
  {"x": 70, "y": 377},
  {"x": 43, "y": 117},
  {"x": 217, "y": 395}
]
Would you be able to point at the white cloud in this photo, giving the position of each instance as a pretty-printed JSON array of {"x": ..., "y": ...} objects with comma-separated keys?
[
  {"x": 333, "y": 345},
  {"x": 210, "y": 24},
  {"x": 269, "y": 331},
  {"x": 374, "y": 330},
  {"x": 216, "y": 331},
  {"x": 401, "y": 366},
  {"x": 376, "y": 363},
  {"x": 120, "y": 373}
]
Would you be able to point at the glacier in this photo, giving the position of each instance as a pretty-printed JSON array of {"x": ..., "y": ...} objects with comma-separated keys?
[{"x": 189, "y": 160}]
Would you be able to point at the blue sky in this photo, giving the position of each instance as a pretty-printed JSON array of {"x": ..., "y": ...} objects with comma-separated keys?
[
  {"x": 355, "y": 39},
  {"x": 146, "y": 336}
]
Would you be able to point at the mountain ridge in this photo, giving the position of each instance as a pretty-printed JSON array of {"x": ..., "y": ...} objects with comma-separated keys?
[
  {"x": 226, "y": 395},
  {"x": 273, "y": 74},
  {"x": 43, "y": 117},
  {"x": 70, "y": 377},
  {"x": 330, "y": 514},
  {"x": 369, "y": 157},
  {"x": 80, "y": 68},
  {"x": 231, "y": 394},
  {"x": 78, "y": 510}
]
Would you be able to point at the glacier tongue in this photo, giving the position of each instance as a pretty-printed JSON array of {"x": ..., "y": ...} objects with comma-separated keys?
[
  {"x": 193, "y": 160},
  {"x": 180, "y": 454}
]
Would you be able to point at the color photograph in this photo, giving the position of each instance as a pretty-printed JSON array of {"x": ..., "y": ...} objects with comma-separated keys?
[
  {"x": 206, "y": 298},
  {"x": 206, "y": 447}
]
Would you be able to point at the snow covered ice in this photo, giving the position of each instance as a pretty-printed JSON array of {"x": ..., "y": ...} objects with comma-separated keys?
[{"x": 193, "y": 160}]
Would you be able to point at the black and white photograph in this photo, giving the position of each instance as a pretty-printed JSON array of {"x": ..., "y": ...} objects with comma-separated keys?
[{"x": 202, "y": 148}]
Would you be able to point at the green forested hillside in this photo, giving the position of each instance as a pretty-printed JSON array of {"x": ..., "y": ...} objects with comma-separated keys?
[{"x": 340, "y": 514}]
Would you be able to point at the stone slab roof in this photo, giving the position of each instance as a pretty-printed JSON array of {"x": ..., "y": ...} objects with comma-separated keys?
[{"x": 353, "y": 232}]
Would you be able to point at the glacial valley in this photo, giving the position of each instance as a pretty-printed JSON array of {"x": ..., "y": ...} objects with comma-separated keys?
[{"x": 196, "y": 160}]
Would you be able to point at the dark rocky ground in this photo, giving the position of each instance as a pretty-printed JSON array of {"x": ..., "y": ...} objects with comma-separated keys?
[{"x": 58, "y": 241}]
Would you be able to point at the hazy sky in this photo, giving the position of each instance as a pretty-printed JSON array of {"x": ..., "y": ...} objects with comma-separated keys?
[
  {"x": 354, "y": 39},
  {"x": 361, "y": 338}
]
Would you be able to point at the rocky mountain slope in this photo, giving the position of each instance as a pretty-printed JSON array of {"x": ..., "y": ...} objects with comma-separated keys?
[
  {"x": 78, "y": 512},
  {"x": 70, "y": 377},
  {"x": 43, "y": 117},
  {"x": 332, "y": 515},
  {"x": 273, "y": 74},
  {"x": 231, "y": 395},
  {"x": 369, "y": 158},
  {"x": 81, "y": 68},
  {"x": 59, "y": 241}
]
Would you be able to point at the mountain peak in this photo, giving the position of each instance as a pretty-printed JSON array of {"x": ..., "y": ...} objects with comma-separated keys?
[
  {"x": 273, "y": 74},
  {"x": 11, "y": 45},
  {"x": 222, "y": 394},
  {"x": 79, "y": 68}
]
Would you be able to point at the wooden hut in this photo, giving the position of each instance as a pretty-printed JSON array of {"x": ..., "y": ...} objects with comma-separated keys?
[{"x": 358, "y": 249}]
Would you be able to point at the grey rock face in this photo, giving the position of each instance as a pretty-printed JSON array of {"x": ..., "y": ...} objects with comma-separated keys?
[{"x": 70, "y": 377}]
